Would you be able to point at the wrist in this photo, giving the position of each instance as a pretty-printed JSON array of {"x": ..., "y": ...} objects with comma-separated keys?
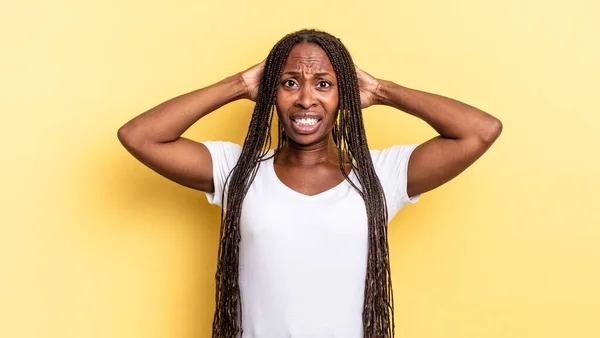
[
  {"x": 238, "y": 89},
  {"x": 386, "y": 93},
  {"x": 378, "y": 96}
]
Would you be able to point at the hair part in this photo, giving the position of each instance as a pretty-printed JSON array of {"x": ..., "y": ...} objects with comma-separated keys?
[{"x": 350, "y": 139}]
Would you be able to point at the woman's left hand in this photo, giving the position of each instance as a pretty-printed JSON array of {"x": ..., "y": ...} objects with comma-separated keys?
[{"x": 368, "y": 86}]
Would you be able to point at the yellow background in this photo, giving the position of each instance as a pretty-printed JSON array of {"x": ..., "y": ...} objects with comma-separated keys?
[{"x": 94, "y": 244}]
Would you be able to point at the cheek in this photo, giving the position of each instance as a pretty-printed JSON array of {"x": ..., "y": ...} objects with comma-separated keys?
[
  {"x": 282, "y": 102},
  {"x": 333, "y": 103}
]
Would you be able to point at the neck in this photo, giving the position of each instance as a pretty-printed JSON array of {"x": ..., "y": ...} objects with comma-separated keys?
[{"x": 322, "y": 152}]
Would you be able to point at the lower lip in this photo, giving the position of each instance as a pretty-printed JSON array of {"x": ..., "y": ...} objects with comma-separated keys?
[{"x": 304, "y": 128}]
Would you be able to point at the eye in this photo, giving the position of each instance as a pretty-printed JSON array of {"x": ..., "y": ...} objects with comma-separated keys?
[
  {"x": 324, "y": 84},
  {"x": 289, "y": 83}
]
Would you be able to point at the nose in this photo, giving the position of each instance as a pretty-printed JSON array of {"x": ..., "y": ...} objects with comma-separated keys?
[{"x": 306, "y": 97}]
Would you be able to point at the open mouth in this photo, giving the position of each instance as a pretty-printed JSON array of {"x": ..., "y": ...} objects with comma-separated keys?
[{"x": 306, "y": 125}]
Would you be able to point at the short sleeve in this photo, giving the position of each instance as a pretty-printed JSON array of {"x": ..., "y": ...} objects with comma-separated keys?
[
  {"x": 391, "y": 166},
  {"x": 224, "y": 157}
]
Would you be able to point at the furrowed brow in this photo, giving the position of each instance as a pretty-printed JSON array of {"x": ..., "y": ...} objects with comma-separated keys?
[{"x": 296, "y": 73}]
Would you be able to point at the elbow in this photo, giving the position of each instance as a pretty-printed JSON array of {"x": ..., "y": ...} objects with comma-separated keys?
[
  {"x": 491, "y": 130},
  {"x": 123, "y": 134},
  {"x": 128, "y": 136}
]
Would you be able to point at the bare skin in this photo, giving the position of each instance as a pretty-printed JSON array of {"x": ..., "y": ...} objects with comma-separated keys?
[{"x": 309, "y": 163}]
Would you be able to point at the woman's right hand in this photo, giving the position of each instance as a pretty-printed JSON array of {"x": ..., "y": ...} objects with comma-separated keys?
[
  {"x": 155, "y": 136},
  {"x": 251, "y": 80}
]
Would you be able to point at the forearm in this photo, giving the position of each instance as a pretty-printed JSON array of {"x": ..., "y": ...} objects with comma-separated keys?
[
  {"x": 449, "y": 117},
  {"x": 169, "y": 120}
]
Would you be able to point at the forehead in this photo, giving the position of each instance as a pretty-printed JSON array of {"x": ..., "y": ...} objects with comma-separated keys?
[{"x": 308, "y": 56}]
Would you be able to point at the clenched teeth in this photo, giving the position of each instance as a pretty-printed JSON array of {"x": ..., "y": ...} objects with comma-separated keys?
[{"x": 309, "y": 121}]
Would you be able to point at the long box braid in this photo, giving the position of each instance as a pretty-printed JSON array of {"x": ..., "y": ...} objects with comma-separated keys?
[{"x": 350, "y": 138}]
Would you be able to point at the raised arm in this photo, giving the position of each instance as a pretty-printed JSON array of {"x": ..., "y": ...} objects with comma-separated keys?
[
  {"x": 154, "y": 137},
  {"x": 465, "y": 132}
]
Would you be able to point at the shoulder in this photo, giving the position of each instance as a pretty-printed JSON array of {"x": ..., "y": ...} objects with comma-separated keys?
[
  {"x": 223, "y": 150},
  {"x": 224, "y": 157},
  {"x": 391, "y": 166},
  {"x": 223, "y": 146},
  {"x": 392, "y": 156}
]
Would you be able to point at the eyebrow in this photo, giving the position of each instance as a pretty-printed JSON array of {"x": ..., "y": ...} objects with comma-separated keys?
[{"x": 296, "y": 73}]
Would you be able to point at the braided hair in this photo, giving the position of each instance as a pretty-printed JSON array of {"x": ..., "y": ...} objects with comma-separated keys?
[{"x": 349, "y": 136}]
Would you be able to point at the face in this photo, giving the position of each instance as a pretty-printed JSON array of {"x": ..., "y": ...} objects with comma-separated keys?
[{"x": 307, "y": 96}]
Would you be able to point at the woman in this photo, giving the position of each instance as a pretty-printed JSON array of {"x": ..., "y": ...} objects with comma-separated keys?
[{"x": 307, "y": 255}]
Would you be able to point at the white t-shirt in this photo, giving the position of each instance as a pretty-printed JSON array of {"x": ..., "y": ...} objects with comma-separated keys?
[{"x": 303, "y": 258}]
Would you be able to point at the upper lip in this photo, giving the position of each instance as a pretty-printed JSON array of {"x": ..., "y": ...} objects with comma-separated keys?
[{"x": 306, "y": 115}]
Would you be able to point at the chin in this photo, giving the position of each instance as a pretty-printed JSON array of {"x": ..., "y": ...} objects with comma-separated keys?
[{"x": 307, "y": 140}]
